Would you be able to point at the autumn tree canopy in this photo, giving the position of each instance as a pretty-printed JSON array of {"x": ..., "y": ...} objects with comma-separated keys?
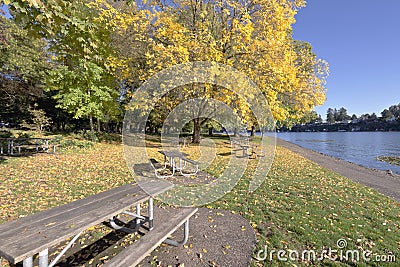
[
  {"x": 255, "y": 37},
  {"x": 103, "y": 50}
]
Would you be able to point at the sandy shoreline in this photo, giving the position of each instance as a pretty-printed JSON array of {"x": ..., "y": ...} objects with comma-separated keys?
[{"x": 387, "y": 184}]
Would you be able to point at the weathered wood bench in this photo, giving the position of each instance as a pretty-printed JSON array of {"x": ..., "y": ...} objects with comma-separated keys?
[
  {"x": 22, "y": 239},
  {"x": 134, "y": 254}
]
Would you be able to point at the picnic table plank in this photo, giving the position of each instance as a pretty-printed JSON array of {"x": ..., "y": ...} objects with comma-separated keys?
[
  {"x": 50, "y": 237},
  {"x": 190, "y": 161},
  {"x": 16, "y": 226},
  {"x": 173, "y": 153},
  {"x": 70, "y": 216},
  {"x": 134, "y": 254}
]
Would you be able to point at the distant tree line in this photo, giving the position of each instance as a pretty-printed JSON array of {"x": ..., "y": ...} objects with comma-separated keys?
[
  {"x": 340, "y": 120},
  {"x": 339, "y": 115},
  {"x": 333, "y": 115}
]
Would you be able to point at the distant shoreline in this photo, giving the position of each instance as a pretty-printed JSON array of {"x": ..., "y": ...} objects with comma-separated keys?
[
  {"x": 339, "y": 131},
  {"x": 349, "y": 126},
  {"x": 387, "y": 184}
]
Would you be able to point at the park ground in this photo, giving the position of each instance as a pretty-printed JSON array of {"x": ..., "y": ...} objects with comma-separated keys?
[{"x": 300, "y": 206}]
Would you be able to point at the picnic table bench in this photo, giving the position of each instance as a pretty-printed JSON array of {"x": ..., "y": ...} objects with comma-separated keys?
[{"x": 22, "y": 239}]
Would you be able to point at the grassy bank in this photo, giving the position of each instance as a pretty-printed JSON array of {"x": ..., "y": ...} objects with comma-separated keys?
[
  {"x": 299, "y": 206},
  {"x": 390, "y": 159}
]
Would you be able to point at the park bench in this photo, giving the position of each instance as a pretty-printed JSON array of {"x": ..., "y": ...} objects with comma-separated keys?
[{"x": 22, "y": 239}]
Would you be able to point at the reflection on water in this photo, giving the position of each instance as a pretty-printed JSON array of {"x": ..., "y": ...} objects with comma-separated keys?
[
  {"x": 314, "y": 140},
  {"x": 358, "y": 147}
]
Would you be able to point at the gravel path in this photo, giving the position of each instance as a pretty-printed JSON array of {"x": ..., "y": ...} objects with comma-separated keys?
[
  {"x": 387, "y": 184},
  {"x": 216, "y": 238}
]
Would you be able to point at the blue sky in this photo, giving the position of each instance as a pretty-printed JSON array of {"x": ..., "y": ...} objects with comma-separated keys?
[
  {"x": 361, "y": 41},
  {"x": 4, "y": 9}
]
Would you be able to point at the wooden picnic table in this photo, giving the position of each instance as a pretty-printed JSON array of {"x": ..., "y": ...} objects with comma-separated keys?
[
  {"x": 245, "y": 149},
  {"x": 249, "y": 149},
  {"x": 182, "y": 159},
  {"x": 22, "y": 239},
  {"x": 18, "y": 143},
  {"x": 242, "y": 143},
  {"x": 170, "y": 155}
]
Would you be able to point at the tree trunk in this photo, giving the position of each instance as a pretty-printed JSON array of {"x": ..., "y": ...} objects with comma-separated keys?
[
  {"x": 235, "y": 131},
  {"x": 210, "y": 131},
  {"x": 98, "y": 125},
  {"x": 252, "y": 130},
  {"x": 196, "y": 131},
  {"x": 91, "y": 123}
]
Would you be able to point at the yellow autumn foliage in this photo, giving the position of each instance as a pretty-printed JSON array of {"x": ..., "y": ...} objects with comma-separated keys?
[{"x": 252, "y": 36}]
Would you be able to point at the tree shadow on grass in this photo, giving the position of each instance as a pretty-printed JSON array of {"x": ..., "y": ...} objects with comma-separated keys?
[
  {"x": 92, "y": 254},
  {"x": 3, "y": 160},
  {"x": 92, "y": 251}
]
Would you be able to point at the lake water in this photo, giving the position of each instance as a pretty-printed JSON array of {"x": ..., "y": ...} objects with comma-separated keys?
[{"x": 358, "y": 147}]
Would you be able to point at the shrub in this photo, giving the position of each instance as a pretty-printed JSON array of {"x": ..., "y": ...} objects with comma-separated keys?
[
  {"x": 57, "y": 139},
  {"x": 73, "y": 143},
  {"x": 5, "y": 134},
  {"x": 109, "y": 137},
  {"x": 24, "y": 135},
  {"x": 89, "y": 135},
  {"x": 97, "y": 137}
]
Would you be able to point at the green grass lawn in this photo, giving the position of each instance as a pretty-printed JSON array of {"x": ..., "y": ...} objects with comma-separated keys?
[{"x": 299, "y": 206}]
